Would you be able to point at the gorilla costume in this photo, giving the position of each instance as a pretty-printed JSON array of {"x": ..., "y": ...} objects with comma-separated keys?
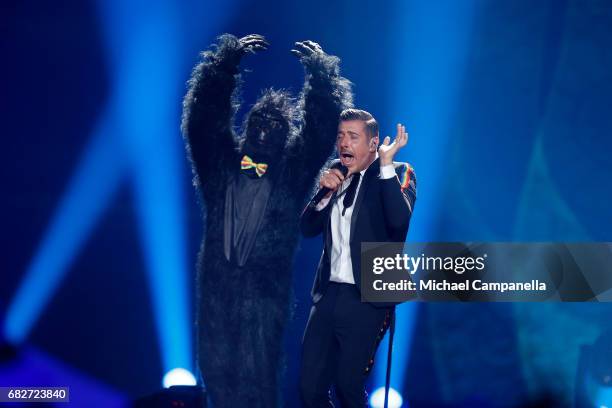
[{"x": 253, "y": 190}]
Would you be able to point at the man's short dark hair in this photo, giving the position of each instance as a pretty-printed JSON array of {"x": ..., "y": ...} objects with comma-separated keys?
[{"x": 359, "y": 114}]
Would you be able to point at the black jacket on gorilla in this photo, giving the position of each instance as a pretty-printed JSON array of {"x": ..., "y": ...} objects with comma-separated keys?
[{"x": 252, "y": 220}]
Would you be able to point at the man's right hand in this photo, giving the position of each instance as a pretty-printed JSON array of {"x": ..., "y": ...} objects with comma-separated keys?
[{"x": 332, "y": 179}]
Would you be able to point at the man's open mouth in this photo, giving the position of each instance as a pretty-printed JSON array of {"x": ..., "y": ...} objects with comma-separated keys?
[{"x": 346, "y": 158}]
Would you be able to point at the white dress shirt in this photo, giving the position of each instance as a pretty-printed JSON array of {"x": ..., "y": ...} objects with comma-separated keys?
[{"x": 341, "y": 264}]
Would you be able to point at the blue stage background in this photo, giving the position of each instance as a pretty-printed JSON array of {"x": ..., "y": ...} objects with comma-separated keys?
[{"x": 508, "y": 106}]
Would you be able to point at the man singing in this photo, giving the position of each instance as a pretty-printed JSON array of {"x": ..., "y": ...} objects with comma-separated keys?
[{"x": 372, "y": 201}]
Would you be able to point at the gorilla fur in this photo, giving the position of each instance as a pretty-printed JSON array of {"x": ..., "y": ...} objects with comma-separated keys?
[{"x": 242, "y": 310}]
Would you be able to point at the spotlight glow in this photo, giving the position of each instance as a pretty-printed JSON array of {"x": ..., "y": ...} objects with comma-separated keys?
[
  {"x": 426, "y": 78},
  {"x": 377, "y": 400},
  {"x": 178, "y": 376},
  {"x": 82, "y": 205}
]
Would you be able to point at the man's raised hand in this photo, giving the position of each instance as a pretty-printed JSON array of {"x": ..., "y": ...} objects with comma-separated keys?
[{"x": 387, "y": 150}]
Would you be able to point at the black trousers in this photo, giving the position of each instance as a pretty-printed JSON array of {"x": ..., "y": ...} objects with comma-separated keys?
[{"x": 338, "y": 348}]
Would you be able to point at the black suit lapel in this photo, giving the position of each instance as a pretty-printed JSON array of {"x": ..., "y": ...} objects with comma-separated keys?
[{"x": 371, "y": 174}]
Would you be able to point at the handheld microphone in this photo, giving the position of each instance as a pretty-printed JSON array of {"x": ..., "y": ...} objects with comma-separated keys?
[{"x": 324, "y": 190}]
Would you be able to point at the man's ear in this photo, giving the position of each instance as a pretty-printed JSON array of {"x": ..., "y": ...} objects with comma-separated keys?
[{"x": 374, "y": 143}]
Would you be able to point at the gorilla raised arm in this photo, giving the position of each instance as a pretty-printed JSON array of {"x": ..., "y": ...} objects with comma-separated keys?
[
  {"x": 324, "y": 96},
  {"x": 210, "y": 105}
]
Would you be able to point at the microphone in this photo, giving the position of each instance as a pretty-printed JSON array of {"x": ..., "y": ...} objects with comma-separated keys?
[{"x": 324, "y": 190}]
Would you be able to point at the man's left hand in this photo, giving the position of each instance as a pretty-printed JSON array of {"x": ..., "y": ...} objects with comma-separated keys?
[{"x": 387, "y": 150}]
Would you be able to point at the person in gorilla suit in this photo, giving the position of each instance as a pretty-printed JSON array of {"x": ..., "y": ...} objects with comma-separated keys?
[{"x": 253, "y": 189}]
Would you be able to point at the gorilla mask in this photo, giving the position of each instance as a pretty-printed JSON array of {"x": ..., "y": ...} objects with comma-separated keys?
[{"x": 269, "y": 124}]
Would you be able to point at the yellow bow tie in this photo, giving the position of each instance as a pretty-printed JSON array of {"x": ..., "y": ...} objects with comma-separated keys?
[{"x": 248, "y": 163}]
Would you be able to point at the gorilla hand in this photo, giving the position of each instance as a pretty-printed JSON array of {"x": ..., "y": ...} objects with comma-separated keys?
[
  {"x": 231, "y": 49},
  {"x": 307, "y": 51},
  {"x": 252, "y": 43},
  {"x": 314, "y": 59}
]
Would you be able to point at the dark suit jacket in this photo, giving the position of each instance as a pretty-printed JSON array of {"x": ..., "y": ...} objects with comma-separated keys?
[{"x": 382, "y": 212}]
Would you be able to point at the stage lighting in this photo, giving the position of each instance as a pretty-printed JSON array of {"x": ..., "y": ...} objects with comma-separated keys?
[
  {"x": 178, "y": 376},
  {"x": 427, "y": 81},
  {"x": 137, "y": 138},
  {"x": 377, "y": 400}
]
